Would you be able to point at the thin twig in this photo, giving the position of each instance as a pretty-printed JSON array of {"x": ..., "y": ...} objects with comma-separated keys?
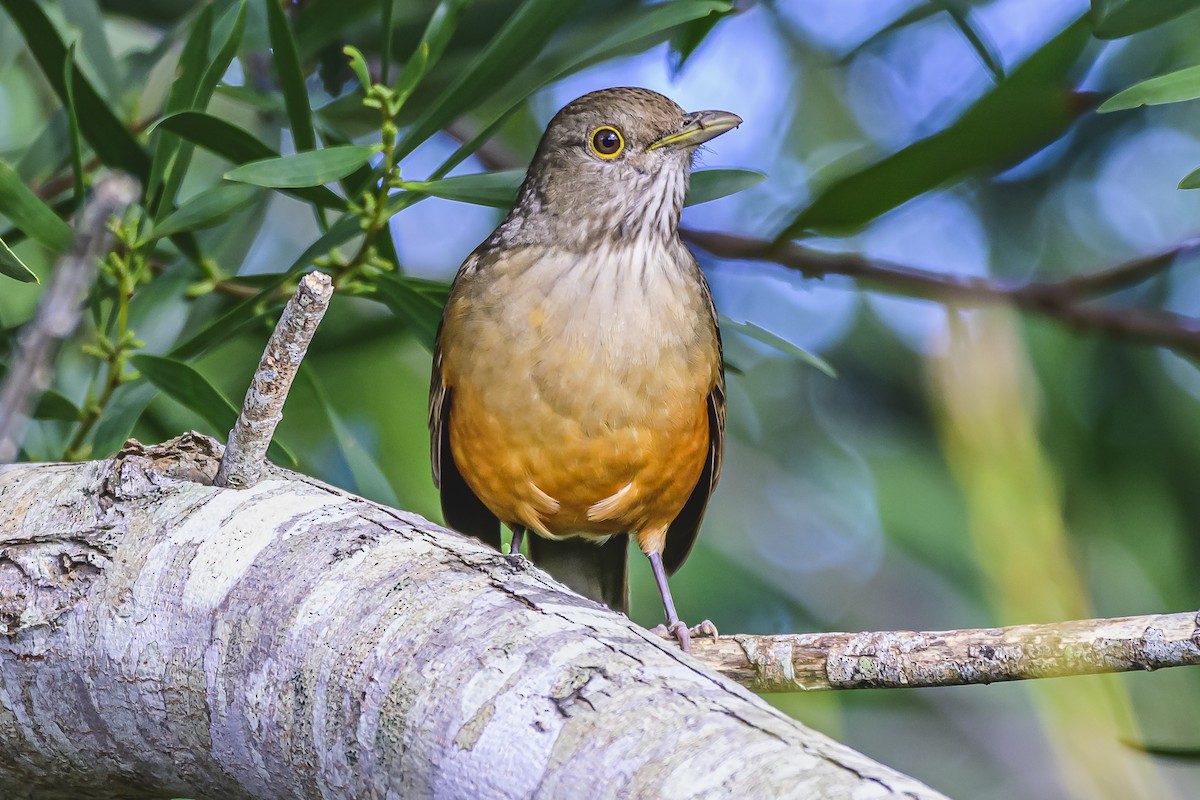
[
  {"x": 60, "y": 308},
  {"x": 262, "y": 409},
  {"x": 1064, "y": 300},
  {"x": 909, "y": 659}
]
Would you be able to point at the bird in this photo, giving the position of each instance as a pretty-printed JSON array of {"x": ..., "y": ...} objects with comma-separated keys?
[{"x": 578, "y": 388}]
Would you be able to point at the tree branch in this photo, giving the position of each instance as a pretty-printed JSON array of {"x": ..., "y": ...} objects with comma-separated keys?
[
  {"x": 909, "y": 659},
  {"x": 160, "y": 636},
  {"x": 246, "y": 452},
  {"x": 1064, "y": 300}
]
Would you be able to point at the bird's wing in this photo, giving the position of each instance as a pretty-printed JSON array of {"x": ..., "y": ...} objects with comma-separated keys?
[
  {"x": 461, "y": 508},
  {"x": 686, "y": 526}
]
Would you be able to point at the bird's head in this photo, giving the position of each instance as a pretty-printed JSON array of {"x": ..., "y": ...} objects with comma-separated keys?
[{"x": 613, "y": 163}]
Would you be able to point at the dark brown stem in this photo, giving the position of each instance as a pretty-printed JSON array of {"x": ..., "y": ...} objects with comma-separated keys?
[{"x": 1066, "y": 300}]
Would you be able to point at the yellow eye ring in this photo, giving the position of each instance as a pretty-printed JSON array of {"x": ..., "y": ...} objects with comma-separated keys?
[{"x": 606, "y": 142}]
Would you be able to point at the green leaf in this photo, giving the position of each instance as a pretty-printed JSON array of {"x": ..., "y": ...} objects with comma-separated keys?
[
  {"x": 73, "y": 123},
  {"x": 208, "y": 208},
  {"x": 499, "y": 189},
  {"x": 291, "y": 77},
  {"x": 123, "y": 411},
  {"x": 51, "y": 405},
  {"x": 190, "y": 68},
  {"x": 369, "y": 480},
  {"x": 1028, "y": 110},
  {"x": 385, "y": 54},
  {"x": 238, "y": 146},
  {"x": 765, "y": 336},
  {"x": 689, "y": 36},
  {"x": 419, "y": 303},
  {"x": 309, "y": 168},
  {"x": 437, "y": 34},
  {"x": 358, "y": 65},
  {"x": 1191, "y": 180},
  {"x": 86, "y": 17},
  {"x": 12, "y": 266},
  {"x": 192, "y": 390},
  {"x": 713, "y": 184},
  {"x": 1113, "y": 19},
  {"x": 29, "y": 213},
  {"x": 107, "y": 135},
  {"x": 623, "y": 33},
  {"x": 496, "y": 189},
  {"x": 192, "y": 91},
  {"x": 1173, "y": 87},
  {"x": 526, "y": 31}
]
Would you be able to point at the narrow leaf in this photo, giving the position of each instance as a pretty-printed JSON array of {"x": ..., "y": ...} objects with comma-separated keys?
[
  {"x": 1031, "y": 108},
  {"x": 12, "y": 266},
  {"x": 291, "y": 77},
  {"x": 776, "y": 341},
  {"x": 496, "y": 189},
  {"x": 369, "y": 480},
  {"x": 189, "y": 68},
  {"x": 499, "y": 189},
  {"x": 239, "y": 146},
  {"x": 437, "y": 35},
  {"x": 1173, "y": 87},
  {"x": 73, "y": 123},
  {"x": 120, "y": 415},
  {"x": 526, "y": 31},
  {"x": 625, "y": 33},
  {"x": 418, "y": 303},
  {"x": 358, "y": 65},
  {"x": 1114, "y": 19},
  {"x": 208, "y": 208},
  {"x": 1191, "y": 180},
  {"x": 107, "y": 135},
  {"x": 29, "y": 213},
  {"x": 189, "y": 388},
  {"x": 309, "y": 168},
  {"x": 51, "y": 405},
  {"x": 713, "y": 184}
]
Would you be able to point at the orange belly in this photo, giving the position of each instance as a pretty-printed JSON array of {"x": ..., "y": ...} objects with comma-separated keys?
[{"x": 536, "y": 467}]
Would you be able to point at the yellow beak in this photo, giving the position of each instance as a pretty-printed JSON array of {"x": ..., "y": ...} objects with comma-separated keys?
[{"x": 698, "y": 128}]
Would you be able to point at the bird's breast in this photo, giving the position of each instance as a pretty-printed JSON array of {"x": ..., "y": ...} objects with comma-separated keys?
[{"x": 585, "y": 377}]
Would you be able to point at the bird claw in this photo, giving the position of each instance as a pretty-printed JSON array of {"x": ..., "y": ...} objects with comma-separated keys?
[
  {"x": 680, "y": 632},
  {"x": 517, "y": 561}
]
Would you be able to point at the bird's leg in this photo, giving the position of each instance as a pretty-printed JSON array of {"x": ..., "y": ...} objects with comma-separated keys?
[
  {"x": 514, "y": 547},
  {"x": 675, "y": 627}
]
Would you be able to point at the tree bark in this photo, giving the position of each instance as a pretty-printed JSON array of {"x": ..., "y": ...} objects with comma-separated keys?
[{"x": 163, "y": 637}]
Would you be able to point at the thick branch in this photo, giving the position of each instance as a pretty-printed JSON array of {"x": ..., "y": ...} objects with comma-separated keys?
[
  {"x": 1064, "y": 300},
  {"x": 907, "y": 659},
  {"x": 163, "y": 637}
]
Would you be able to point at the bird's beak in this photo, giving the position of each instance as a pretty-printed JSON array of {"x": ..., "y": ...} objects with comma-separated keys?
[{"x": 698, "y": 127}]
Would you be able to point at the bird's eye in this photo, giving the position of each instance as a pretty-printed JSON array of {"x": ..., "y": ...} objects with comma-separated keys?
[{"x": 606, "y": 142}]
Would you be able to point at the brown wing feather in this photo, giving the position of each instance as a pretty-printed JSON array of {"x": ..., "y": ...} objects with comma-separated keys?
[
  {"x": 461, "y": 508},
  {"x": 681, "y": 535}
]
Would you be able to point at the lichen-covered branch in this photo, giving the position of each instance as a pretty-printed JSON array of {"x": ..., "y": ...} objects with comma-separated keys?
[
  {"x": 246, "y": 452},
  {"x": 909, "y": 659},
  {"x": 162, "y": 637}
]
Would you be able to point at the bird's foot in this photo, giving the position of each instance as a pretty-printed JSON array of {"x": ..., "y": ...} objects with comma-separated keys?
[
  {"x": 680, "y": 632},
  {"x": 517, "y": 561}
]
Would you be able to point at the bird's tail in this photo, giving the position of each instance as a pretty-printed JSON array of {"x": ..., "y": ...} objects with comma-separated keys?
[{"x": 600, "y": 572}]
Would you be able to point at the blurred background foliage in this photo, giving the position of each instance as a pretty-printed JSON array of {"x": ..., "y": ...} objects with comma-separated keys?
[{"x": 967, "y": 466}]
